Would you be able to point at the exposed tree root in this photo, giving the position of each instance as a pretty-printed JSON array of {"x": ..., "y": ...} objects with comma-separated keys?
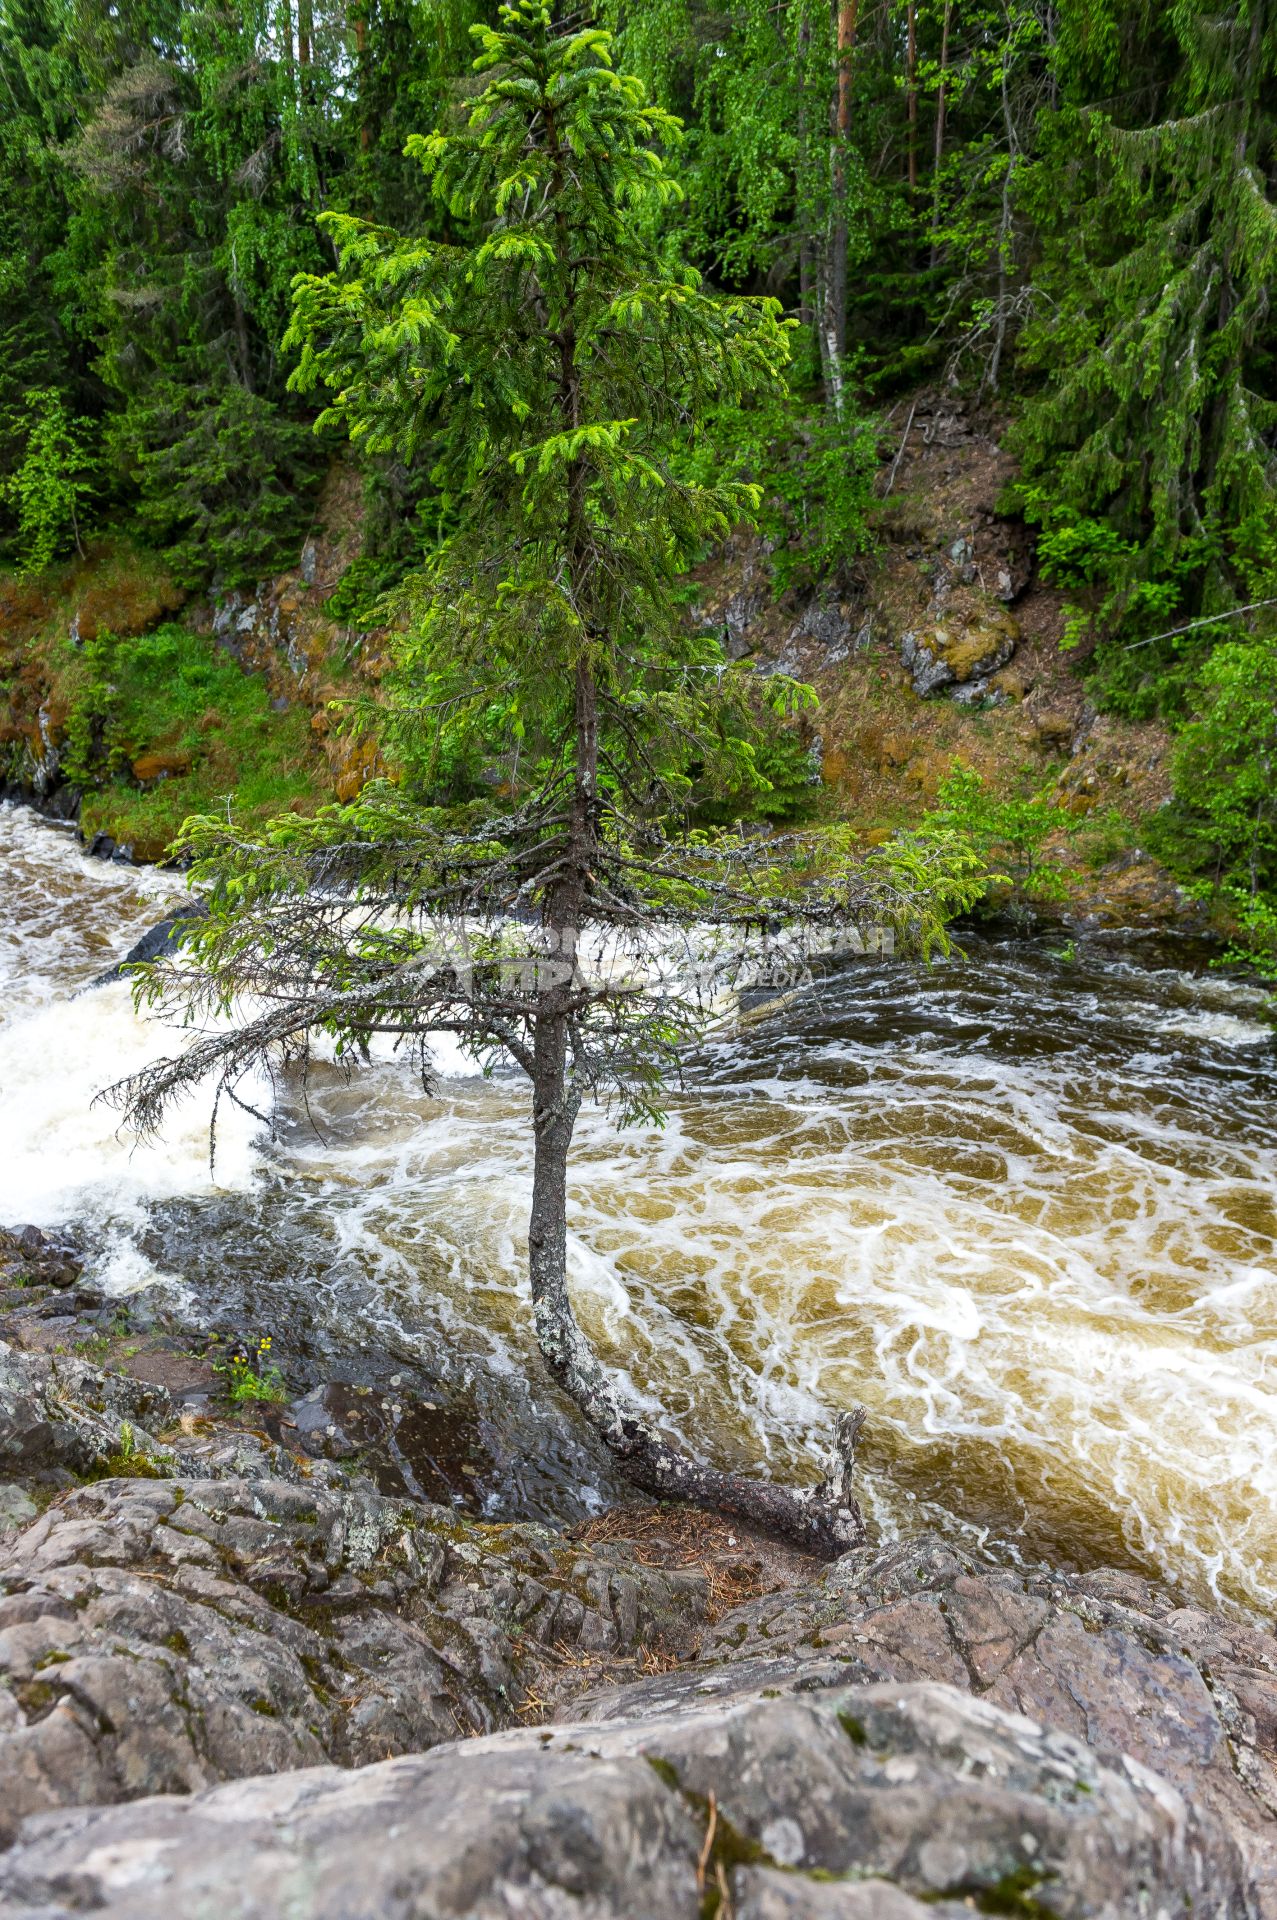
[{"x": 824, "y": 1519}]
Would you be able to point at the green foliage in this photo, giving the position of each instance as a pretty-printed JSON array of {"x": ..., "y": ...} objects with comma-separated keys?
[
  {"x": 778, "y": 195},
  {"x": 1076, "y": 210},
  {"x": 552, "y": 355},
  {"x": 814, "y": 469},
  {"x": 1009, "y": 835},
  {"x": 250, "y": 1375},
  {"x": 1254, "y": 938},
  {"x": 1225, "y": 770},
  {"x": 225, "y": 479},
  {"x": 176, "y": 691},
  {"x": 1142, "y": 678},
  {"x": 55, "y": 478},
  {"x": 43, "y": 317},
  {"x": 1156, "y": 414},
  {"x": 428, "y": 345}
]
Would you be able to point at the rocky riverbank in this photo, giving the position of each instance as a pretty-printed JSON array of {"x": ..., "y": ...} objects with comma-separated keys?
[{"x": 242, "y": 1679}]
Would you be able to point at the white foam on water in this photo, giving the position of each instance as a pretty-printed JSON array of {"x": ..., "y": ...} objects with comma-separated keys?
[
  {"x": 1230, "y": 1029},
  {"x": 1027, "y": 1220},
  {"x": 64, "y": 1155},
  {"x": 1053, "y": 1280},
  {"x": 66, "y": 917}
]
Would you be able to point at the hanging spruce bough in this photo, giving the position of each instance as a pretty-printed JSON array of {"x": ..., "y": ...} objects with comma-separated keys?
[
  {"x": 1160, "y": 411},
  {"x": 553, "y": 358}
]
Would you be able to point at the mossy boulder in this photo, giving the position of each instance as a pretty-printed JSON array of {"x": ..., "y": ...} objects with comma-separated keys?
[{"x": 953, "y": 653}]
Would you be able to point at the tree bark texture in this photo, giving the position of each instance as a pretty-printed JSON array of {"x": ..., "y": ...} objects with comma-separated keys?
[
  {"x": 835, "y": 287},
  {"x": 941, "y": 110}
]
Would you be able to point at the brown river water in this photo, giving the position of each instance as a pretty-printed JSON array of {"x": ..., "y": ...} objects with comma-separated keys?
[{"x": 1022, "y": 1207}]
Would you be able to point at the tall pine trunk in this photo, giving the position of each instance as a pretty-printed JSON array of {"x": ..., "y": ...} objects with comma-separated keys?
[{"x": 833, "y": 320}]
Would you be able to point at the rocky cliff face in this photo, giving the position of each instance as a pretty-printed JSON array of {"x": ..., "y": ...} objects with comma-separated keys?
[
  {"x": 247, "y": 1683},
  {"x": 940, "y": 648}
]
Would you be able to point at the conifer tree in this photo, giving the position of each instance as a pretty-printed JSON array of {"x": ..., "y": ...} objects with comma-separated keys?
[
  {"x": 553, "y": 357},
  {"x": 1159, "y": 411}
]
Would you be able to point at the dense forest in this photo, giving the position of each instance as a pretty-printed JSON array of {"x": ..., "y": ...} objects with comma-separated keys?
[{"x": 1068, "y": 212}]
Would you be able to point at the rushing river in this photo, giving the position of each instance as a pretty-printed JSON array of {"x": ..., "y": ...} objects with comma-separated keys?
[{"x": 1021, "y": 1206}]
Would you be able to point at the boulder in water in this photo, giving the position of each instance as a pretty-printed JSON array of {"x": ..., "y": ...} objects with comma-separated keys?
[{"x": 156, "y": 943}]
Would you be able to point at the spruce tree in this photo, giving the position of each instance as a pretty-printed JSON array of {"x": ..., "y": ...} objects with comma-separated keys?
[
  {"x": 553, "y": 355},
  {"x": 1154, "y": 331}
]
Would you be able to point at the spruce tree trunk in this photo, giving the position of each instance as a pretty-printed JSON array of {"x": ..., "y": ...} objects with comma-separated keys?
[{"x": 825, "y": 1518}]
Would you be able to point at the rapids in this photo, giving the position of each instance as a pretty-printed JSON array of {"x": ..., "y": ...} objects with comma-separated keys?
[{"x": 1021, "y": 1206}]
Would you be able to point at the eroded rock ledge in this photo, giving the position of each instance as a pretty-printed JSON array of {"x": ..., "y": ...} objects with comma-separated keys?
[{"x": 356, "y": 1706}]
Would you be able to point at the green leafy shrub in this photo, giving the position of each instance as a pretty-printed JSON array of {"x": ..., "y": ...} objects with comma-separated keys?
[
  {"x": 55, "y": 478},
  {"x": 1135, "y": 668},
  {"x": 1254, "y": 941},
  {"x": 816, "y": 473},
  {"x": 1224, "y": 769},
  {"x": 1009, "y": 835}
]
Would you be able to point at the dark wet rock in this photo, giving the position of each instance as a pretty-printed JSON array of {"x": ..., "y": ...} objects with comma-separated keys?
[
  {"x": 62, "y": 1419},
  {"x": 740, "y": 614},
  {"x": 164, "y": 937},
  {"x": 431, "y": 1449},
  {"x": 32, "y": 1257},
  {"x": 59, "y": 1415},
  {"x": 158, "y": 941},
  {"x": 60, "y": 802},
  {"x": 159, "y": 1635},
  {"x": 828, "y": 624},
  {"x": 801, "y": 1802}
]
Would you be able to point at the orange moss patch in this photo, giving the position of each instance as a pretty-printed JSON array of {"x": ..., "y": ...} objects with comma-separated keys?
[
  {"x": 356, "y": 763},
  {"x": 125, "y": 606},
  {"x": 161, "y": 766}
]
